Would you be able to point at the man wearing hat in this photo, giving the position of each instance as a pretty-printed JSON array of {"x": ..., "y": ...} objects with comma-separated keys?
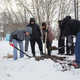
[{"x": 18, "y": 36}]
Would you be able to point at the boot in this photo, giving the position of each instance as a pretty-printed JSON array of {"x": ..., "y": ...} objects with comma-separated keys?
[
  {"x": 49, "y": 53},
  {"x": 41, "y": 53},
  {"x": 34, "y": 55}
]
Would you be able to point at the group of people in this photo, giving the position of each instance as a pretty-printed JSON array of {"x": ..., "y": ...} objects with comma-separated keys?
[
  {"x": 33, "y": 34},
  {"x": 61, "y": 41},
  {"x": 68, "y": 27}
]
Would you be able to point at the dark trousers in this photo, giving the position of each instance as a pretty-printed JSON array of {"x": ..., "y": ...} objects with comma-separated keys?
[
  {"x": 69, "y": 49},
  {"x": 61, "y": 43},
  {"x": 48, "y": 44},
  {"x": 39, "y": 42}
]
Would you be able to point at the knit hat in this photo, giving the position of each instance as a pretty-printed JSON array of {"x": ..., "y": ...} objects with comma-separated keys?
[
  {"x": 29, "y": 30},
  {"x": 43, "y": 24}
]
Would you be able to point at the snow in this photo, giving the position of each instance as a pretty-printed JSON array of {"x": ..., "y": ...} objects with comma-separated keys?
[{"x": 30, "y": 69}]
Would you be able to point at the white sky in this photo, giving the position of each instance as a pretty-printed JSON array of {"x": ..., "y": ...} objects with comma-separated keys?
[{"x": 13, "y": 4}]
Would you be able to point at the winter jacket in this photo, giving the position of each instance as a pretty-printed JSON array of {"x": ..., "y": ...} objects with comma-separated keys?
[
  {"x": 70, "y": 26},
  {"x": 20, "y": 35},
  {"x": 50, "y": 35},
  {"x": 60, "y": 31},
  {"x": 36, "y": 33}
]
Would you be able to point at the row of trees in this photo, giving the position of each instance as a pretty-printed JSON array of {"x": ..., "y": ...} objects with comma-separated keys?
[{"x": 14, "y": 13}]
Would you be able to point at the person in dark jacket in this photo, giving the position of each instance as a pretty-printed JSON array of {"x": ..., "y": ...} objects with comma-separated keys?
[
  {"x": 18, "y": 36},
  {"x": 35, "y": 36},
  {"x": 50, "y": 36},
  {"x": 61, "y": 39},
  {"x": 69, "y": 39},
  {"x": 72, "y": 27}
]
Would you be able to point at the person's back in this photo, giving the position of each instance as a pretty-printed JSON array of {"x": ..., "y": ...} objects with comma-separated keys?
[
  {"x": 18, "y": 36},
  {"x": 71, "y": 25}
]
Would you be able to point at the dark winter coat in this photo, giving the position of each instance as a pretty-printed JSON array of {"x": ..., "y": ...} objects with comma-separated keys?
[
  {"x": 70, "y": 26},
  {"x": 60, "y": 31},
  {"x": 36, "y": 33},
  {"x": 50, "y": 35}
]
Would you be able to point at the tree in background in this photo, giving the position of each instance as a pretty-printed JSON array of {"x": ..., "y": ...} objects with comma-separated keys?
[{"x": 13, "y": 16}]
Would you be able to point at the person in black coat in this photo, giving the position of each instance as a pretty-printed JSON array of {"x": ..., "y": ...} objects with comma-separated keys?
[
  {"x": 61, "y": 39},
  {"x": 69, "y": 39},
  {"x": 72, "y": 27},
  {"x": 35, "y": 36}
]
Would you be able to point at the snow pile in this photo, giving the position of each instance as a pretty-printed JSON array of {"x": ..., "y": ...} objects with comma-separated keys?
[{"x": 31, "y": 69}]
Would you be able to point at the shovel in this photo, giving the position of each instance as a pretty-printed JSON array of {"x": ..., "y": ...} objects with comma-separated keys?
[{"x": 20, "y": 50}]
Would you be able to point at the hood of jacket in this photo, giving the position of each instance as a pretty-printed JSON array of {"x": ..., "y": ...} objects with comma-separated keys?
[
  {"x": 28, "y": 29},
  {"x": 32, "y": 20},
  {"x": 60, "y": 23},
  {"x": 65, "y": 20}
]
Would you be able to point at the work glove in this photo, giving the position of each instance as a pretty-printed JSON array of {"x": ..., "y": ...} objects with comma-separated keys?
[
  {"x": 69, "y": 44},
  {"x": 41, "y": 38},
  {"x": 47, "y": 30}
]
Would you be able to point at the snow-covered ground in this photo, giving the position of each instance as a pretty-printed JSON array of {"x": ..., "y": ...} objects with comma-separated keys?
[{"x": 30, "y": 69}]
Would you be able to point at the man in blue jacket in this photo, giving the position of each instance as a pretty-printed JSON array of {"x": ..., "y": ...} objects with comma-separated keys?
[{"x": 18, "y": 36}]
